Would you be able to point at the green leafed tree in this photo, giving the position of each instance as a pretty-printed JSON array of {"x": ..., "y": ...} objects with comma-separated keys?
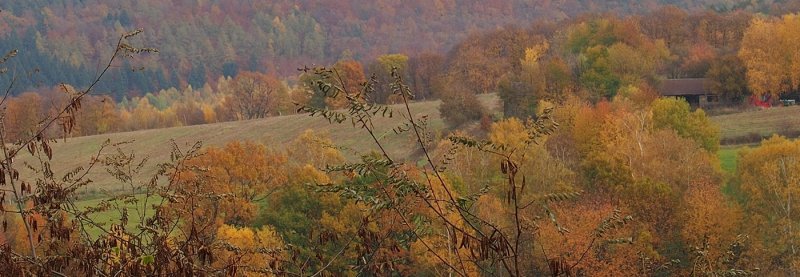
[{"x": 676, "y": 114}]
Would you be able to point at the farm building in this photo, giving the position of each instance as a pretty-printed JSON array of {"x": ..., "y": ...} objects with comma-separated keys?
[{"x": 693, "y": 90}]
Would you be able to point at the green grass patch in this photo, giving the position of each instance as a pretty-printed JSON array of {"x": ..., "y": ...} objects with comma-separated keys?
[
  {"x": 728, "y": 159},
  {"x": 113, "y": 215}
]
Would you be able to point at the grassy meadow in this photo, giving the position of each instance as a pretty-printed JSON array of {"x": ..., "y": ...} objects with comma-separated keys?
[
  {"x": 112, "y": 215},
  {"x": 728, "y": 157},
  {"x": 274, "y": 132},
  {"x": 759, "y": 123}
]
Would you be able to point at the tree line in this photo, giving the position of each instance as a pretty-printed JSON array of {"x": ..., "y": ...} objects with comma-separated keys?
[
  {"x": 598, "y": 57},
  {"x": 202, "y": 40}
]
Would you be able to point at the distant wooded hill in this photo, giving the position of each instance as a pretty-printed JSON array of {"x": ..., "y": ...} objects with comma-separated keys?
[{"x": 67, "y": 40}]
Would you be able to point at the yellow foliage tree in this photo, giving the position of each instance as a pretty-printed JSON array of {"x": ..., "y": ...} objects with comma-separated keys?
[
  {"x": 547, "y": 174},
  {"x": 313, "y": 149},
  {"x": 439, "y": 245},
  {"x": 769, "y": 52},
  {"x": 770, "y": 177},
  {"x": 250, "y": 252}
]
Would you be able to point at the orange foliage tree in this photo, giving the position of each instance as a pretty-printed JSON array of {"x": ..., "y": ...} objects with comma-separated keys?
[
  {"x": 246, "y": 172},
  {"x": 352, "y": 75},
  {"x": 254, "y": 95}
]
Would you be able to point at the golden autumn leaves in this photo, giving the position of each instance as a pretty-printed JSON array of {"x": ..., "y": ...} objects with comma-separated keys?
[{"x": 769, "y": 52}]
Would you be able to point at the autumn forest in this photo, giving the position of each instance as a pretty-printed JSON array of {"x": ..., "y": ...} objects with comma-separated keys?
[{"x": 400, "y": 138}]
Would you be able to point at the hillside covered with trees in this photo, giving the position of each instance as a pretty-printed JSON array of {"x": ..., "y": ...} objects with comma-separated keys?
[
  {"x": 199, "y": 41},
  {"x": 742, "y": 56}
]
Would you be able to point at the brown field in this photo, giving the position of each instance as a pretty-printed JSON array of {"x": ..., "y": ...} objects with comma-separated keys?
[
  {"x": 751, "y": 126},
  {"x": 273, "y": 131}
]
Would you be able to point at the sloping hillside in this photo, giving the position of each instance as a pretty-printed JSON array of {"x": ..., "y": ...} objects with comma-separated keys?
[{"x": 274, "y": 132}]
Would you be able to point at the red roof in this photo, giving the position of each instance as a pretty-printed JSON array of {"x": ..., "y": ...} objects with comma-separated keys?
[{"x": 682, "y": 87}]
